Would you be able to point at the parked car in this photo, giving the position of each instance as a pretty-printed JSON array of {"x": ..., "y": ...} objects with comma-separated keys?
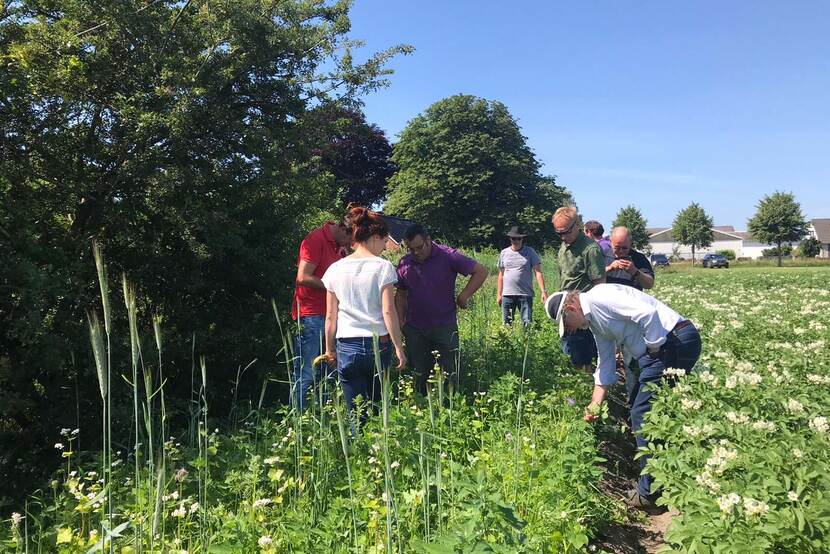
[
  {"x": 659, "y": 260},
  {"x": 715, "y": 260}
]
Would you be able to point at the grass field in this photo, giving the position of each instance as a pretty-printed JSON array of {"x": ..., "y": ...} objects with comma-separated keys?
[{"x": 507, "y": 466}]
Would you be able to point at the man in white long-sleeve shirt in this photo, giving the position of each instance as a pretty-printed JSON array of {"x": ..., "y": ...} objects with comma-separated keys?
[{"x": 647, "y": 331}]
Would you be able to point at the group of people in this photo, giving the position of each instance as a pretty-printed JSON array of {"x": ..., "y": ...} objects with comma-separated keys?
[{"x": 353, "y": 308}]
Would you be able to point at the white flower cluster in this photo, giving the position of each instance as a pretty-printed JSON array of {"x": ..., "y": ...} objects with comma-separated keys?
[
  {"x": 727, "y": 502},
  {"x": 794, "y": 406},
  {"x": 743, "y": 378},
  {"x": 265, "y": 541},
  {"x": 820, "y": 424},
  {"x": 762, "y": 425},
  {"x": 755, "y": 508},
  {"x": 783, "y": 377},
  {"x": 675, "y": 372},
  {"x": 720, "y": 458},
  {"x": 16, "y": 519},
  {"x": 691, "y": 404},
  {"x": 797, "y": 453},
  {"x": 695, "y": 431},
  {"x": 737, "y": 418},
  {"x": 261, "y": 502},
  {"x": 814, "y": 379},
  {"x": 792, "y": 496},
  {"x": 708, "y": 378}
]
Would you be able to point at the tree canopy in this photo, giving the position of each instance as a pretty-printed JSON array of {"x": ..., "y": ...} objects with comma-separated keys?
[
  {"x": 693, "y": 227},
  {"x": 631, "y": 217},
  {"x": 778, "y": 220},
  {"x": 356, "y": 153},
  {"x": 467, "y": 172},
  {"x": 810, "y": 247},
  {"x": 173, "y": 133}
]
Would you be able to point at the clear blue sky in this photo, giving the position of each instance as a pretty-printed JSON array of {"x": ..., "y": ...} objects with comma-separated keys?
[{"x": 658, "y": 104}]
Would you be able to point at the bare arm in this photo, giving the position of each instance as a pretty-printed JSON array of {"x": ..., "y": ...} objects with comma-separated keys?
[
  {"x": 597, "y": 398},
  {"x": 305, "y": 275},
  {"x": 499, "y": 286},
  {"x": 390, "y": 318},
  {"x": 332, "y": 308},
  {"x": 401, "y": 304},
  {"x": 540, "y": 280},
  {"x": 646, "y": 281},
  {"x": 477, "y": 278}
]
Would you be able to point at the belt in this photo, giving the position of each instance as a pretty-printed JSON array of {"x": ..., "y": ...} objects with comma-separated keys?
[{"x": 681, "y": 324}]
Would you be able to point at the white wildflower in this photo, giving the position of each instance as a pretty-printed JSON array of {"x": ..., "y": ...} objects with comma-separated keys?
[
  {"x": 675, "y": 372},
  {"x": 728, "y": 501},
  {"x": 194, "y": 507},
  {"x": 708, "y": 378},
  {"x": 179, "y": 512},
  {"x": 261, "y": 502},
  {"x": 59, "y": 446},
  {"x": 691, "y": 404},
  {"x": 16, "y": 519},
  {"x": 794, "y": 406},
  {"x": 819, "y": 424},
  {"x": 792, "y": 496},
  {"x": 265, "y": 541},
  {"x": 754, "y": 507},
  {"x": 737, "y": 418},
  {"x": 762, "y": 425},
  {"x": 797, "y": 453}
]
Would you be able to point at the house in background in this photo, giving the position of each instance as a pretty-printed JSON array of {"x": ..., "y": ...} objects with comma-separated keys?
[
  {"x": 397, "y": 230},
  {"x": 727, "y": 238},
  {"x": 820, "y": 229}
]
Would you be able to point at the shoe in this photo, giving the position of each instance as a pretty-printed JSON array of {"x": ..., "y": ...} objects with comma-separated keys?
[{"x": 635, "y": 500}]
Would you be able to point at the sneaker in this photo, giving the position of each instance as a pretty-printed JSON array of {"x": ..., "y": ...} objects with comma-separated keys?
[{"x": 635, "y": 500}]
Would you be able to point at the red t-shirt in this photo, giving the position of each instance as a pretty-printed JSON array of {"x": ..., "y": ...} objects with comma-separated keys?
[{"x": 319, "y": 248}]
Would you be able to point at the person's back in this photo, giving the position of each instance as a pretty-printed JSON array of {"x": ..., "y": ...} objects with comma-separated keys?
[{"x": 358, "y": 283}]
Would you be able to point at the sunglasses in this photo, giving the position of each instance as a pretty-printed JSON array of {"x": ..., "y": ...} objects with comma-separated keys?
[{"x": 566, "y": 231}]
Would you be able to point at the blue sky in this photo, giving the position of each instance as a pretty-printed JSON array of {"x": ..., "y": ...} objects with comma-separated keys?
[{"x": 656, "y": 104}]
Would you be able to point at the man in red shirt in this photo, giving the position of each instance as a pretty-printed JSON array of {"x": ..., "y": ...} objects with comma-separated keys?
[{"x": 319, "y": 249}]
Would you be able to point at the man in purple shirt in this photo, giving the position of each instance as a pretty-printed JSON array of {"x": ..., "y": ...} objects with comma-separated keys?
[{"x": 426, "y": 303}]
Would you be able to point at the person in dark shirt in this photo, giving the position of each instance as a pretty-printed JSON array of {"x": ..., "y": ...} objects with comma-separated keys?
[{"x": 629, "y": 267}]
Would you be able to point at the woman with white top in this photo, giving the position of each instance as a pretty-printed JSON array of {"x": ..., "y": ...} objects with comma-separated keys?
[
  {"x": 647, "y": 331},
  {"x": 359, "y": 306}
]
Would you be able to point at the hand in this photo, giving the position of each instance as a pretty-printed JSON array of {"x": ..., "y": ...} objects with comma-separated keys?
[
  {"x": 461, "y": 301},
  {"x": 401, "y": 355},
  {"x": 625, "y": 265},
  {"x": 591, "y": 412},
  {"x": 328, "y": 357},
  {"x": 544, "y": 297},
  {"x": 498, "y": 299}
]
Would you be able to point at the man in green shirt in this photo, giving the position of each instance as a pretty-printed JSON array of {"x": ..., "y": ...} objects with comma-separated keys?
[{"x": 581, "y": 266}]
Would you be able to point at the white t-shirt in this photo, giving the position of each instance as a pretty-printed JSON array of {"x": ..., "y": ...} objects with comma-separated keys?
[{"x": 357, "y": 283}]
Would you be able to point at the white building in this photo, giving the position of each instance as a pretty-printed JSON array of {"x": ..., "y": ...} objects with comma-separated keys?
[
  {"x": 820, "y": 229},
  {"x": 725, "y": 238}
]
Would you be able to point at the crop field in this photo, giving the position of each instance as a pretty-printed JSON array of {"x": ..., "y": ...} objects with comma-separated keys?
[{"x": 740, "y": 448}]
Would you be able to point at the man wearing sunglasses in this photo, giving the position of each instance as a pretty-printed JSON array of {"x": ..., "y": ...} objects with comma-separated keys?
[
  {"x": 581, "y": 266},
  {"x": 518, "y": 263}
]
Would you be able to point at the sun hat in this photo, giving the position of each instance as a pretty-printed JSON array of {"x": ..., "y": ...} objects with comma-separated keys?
[
  {"x": 555, "y": 308},
  {"x": 515, "y": 233}
]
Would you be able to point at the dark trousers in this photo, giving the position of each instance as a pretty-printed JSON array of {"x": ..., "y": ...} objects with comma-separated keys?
[
  {"x": 509, "y": 305},
  {"x": 420, "y": 344},
  {"x": 681, "y": 350},
  {"x": 357, "y": 370}
]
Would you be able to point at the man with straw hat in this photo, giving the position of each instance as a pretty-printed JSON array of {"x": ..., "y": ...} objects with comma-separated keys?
[
  {"x": 517, "y": 265},
  {"x": 662, "y": 341}
]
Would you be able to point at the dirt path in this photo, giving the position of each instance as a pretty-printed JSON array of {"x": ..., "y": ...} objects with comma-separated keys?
[{"x": 640, "y": 533}]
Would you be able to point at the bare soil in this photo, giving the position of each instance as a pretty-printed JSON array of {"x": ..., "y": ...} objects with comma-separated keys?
[{"x": 639, "y": 532}]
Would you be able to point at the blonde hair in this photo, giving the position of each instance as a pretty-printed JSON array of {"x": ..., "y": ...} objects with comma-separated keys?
[{"x": 568, "y": 212}]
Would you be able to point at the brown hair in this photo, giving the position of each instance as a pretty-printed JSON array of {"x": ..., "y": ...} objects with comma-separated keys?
[
  {"x": 365, "y": 223},
  {"x": 595, "y": 228}
]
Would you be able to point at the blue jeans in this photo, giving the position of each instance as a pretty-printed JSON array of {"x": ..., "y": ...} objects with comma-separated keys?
[
  {"x": 359, "y": 375},
  {"x": 509, "y": 304},
  {"x": 580, "y": 346},
  {"x": 681, "y": 350},
  {"x": 308, "y": 344}
]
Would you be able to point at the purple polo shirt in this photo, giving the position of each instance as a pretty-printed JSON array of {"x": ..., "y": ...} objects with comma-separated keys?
[{"x": 431, "y": 286}]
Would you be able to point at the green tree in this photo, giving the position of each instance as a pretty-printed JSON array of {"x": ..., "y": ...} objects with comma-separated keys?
[
  {"x": 693, "y": 227},
  {"x": 172, "y": 132},
  {"x": 810, "y": 247},
  {"x": 778, "y": 220},
  {"x": 631, "y": 217},
  {"x": 466, "y": 171}
]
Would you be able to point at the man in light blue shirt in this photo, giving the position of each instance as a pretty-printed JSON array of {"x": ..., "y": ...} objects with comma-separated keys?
[
  {"x": 647, "y": 331},
  {"x": 517, "y": 265}
]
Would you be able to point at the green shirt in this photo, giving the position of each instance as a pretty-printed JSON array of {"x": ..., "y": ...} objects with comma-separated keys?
[{"x": 580, "y": 264}]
